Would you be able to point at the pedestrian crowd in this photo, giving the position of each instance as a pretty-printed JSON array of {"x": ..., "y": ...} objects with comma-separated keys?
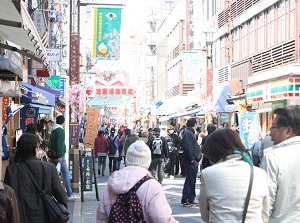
[{"x": 236, "y": 184}]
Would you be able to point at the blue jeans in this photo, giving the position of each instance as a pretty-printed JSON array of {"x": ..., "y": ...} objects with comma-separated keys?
[
  {"x": 65, "y": 171},
  {"x": 157, "y": 163},
  {"x": 102, "y": 159},
  {"x": 189, "y": 190}
]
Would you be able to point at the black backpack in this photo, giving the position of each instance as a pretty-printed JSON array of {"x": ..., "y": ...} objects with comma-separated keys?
[
  {"x": 127, "y": 208},
  {"x": 112, "y": 148}
]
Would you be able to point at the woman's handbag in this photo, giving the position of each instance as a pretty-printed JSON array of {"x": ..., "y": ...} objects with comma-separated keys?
[
  {"x": 248, "y": 194},
  {"x": 57, "y": 212}
]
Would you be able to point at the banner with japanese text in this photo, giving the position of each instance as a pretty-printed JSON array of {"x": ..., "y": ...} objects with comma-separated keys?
[
  {"x": 29, "y": 115},
  {"x": 249, "y": 128},
  {"x": 107, "y": 28},
  {"x": 91, "y": 126}
]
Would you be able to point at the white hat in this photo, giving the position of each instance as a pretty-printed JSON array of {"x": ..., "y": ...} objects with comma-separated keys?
[{"x": 138, "y": 154}]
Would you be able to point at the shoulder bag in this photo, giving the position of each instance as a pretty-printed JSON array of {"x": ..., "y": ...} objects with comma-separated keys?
[
  {"x": 248, "y": 194},
  {"x": 57, "y": 212}
]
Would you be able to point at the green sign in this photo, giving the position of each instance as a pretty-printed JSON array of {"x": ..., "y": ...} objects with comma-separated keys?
[
  {"x": 107, "y": 27},
  {"x": 279, "y": 104},
  {"x": 53, "y": 82}
]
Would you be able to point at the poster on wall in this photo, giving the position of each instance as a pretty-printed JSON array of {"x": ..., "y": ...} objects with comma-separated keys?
[{"x": 249, "y": 127}]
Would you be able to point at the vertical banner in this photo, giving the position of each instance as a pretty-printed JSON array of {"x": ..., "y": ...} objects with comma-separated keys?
[
  {"x": 91, "y": 126},
  {"x": 209, "y": 82},
  {"x": 29, "y": 115},
  {"x": 74, "y": 58},
  {"x": 107, "y": 28},
  {"x": 74, "y": 133},
  {"x": 87, "y": 173},
  {"x": 190, "y": 67},
  {"x": 249, "y": 128},
  {"x": 189, "y": 25},
  {"x": 5, "y": 103}
]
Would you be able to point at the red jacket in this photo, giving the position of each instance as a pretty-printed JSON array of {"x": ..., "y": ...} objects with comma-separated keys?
[{"x": 100, "y": 145}]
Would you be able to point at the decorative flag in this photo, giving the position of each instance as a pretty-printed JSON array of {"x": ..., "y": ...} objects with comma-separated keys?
[
  {"x": 29, "y": 116},
  {"x": 249, "y": 128},
  {"x": 190, "y": 67},
  {"x": 107, "y": 27}
]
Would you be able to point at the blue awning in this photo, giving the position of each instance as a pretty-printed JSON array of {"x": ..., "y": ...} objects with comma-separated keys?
[
  {"x": 221, "y": 102},
  {"x": 36, "y": 95},
  {"x": 51, "y": 91}
]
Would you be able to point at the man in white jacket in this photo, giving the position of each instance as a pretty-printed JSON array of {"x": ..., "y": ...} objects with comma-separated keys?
[{"x": 281, "y": 162}]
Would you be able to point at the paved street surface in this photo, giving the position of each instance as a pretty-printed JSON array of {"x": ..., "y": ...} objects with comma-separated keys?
[{"x": 85, "y": 212}]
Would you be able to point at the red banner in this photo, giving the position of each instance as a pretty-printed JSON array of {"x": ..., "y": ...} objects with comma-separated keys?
[
  {"x": 111, "y": 91},
  {"x": 5, "y": 103},
  {"x": 74, "y": 58}
]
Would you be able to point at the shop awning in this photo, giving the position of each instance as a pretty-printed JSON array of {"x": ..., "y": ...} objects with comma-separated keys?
[
  {"x": 51, "y": 91},
  {"x": 17, "y": 26},
  {"x": 191, "y": 112},
  {"x": 34, "y": 95},
  {"x": 221, "y": 102},
  {"x": 9, "y": 69}
]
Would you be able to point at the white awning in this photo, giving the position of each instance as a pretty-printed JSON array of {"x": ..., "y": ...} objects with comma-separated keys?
[{"x": 17, "y": 26}]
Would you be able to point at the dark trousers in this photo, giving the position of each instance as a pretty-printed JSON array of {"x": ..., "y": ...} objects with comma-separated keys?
[
  {"x": 173, "y": 162},
  {"x": 177, "y": 165},
  {"x": 182, "y": 158},
  {"x": 157, "y": 164},
  {"x": 112, "y": 165},
  {"x": 189, "y": 192}
]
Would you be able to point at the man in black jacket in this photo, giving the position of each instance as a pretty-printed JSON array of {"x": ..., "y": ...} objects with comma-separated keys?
[
  {"x": 159, "y": 151},
  {"x": 193, "y": 156}
]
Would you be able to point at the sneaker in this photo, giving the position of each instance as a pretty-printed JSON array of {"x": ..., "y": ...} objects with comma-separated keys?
[
  {"x": 172, "y": 177},
  {"x": 73, "y": 197},
  {"x": 186, "y": 204},
  {"x": 195, "y": 203}
]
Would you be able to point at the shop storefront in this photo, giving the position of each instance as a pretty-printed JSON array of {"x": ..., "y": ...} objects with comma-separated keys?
[{"x": 264, "y": 98}]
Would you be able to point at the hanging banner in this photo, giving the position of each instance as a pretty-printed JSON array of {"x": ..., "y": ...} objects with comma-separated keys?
[
  {"x": 74, "y": 58},
  {"x": 91, "y": 126},
  {"x": 29, "y": 115},
  {"x": 249, "y": 128},
  {"x": 107, "y": 27},
  {"x": 189, "y": 45},
  {"x": 190, "y": 67}
]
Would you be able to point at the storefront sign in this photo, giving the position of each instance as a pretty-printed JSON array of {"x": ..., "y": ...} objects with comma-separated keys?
[
  {"x": 74, "y": 58},
  {"x": 53, "y": 54},
  {"x": 74, "y": 133},
  {"x": 53, "y": 82},
  {"x": 5, "y": 103},
  {"x": 87, "y": 173}
]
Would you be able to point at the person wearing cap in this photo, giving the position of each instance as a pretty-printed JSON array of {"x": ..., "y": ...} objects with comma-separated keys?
[
  {"x": 151, "y": 195},
  {"x": 58, "y": 145},
  {"x": 129, "y": 140},
  {"x": 150, "y": 136}
]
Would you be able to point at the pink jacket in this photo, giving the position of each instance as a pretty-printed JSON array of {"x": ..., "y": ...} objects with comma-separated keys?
[{"x": 152, "y": 197}]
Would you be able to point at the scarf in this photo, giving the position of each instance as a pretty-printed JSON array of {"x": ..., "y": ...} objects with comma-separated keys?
[{"x": 245, "y": 156}]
